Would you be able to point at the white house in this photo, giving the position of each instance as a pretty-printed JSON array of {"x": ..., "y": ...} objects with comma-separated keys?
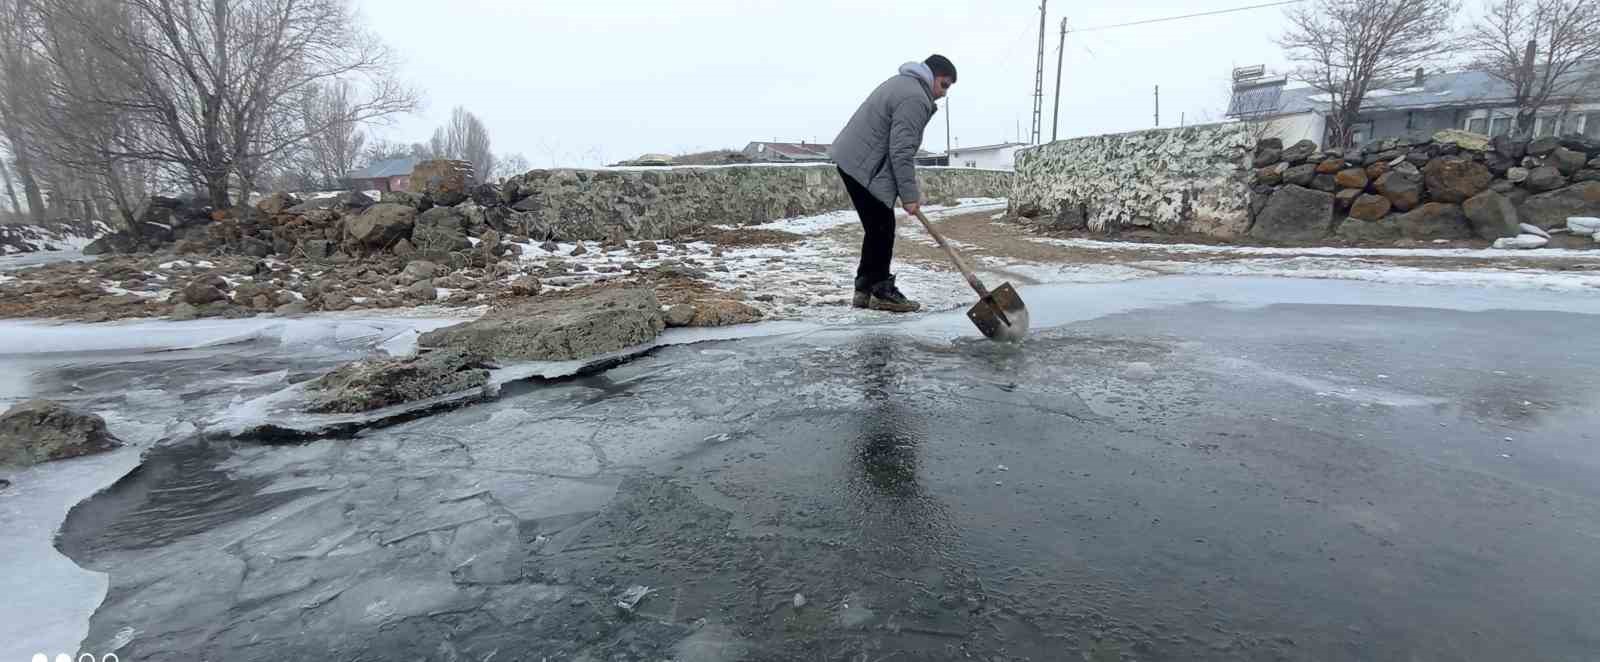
[
  {"x": 1420, "y": 104},
  {"x": 995, "y": 157}
]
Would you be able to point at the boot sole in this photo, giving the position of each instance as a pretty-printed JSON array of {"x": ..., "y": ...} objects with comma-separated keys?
[
  {"x": 880, "y": 304},
  {"x": 861, "y": 300}
]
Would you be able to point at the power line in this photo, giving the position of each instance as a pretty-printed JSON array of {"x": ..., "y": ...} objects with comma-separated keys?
[{"x": 1179, "y": 18}]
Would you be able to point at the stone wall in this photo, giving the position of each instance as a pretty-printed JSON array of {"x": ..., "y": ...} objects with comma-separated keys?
[
  {"x": 1184, "y": 180},
  {"x": 1218, "y": 181},
  {"x": 659, "y": 203}
]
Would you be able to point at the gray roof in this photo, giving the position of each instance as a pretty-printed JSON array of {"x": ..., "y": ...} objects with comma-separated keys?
[
  {"x": 385, "y": 168},
  {"x": 1452, "y": 89}
]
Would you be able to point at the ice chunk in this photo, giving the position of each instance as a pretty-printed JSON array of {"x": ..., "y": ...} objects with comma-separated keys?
[{"x": 1522, "y": 241}]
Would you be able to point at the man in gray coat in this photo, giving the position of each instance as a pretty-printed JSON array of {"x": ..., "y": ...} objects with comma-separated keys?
[{"x": 876, "y": 153}]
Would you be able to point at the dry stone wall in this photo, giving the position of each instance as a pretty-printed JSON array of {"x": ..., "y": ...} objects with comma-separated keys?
[
  {"x": 1185, "y": 180},
  {"x": 659, "y": 203},
  {"x": 1217, "y": 181}
]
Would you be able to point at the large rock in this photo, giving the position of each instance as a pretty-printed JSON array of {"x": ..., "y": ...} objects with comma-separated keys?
[
  {"x": 1402, "y": 188},
  {"x": 715, "y": 312},
  {"x": 1369, "y": 207},
  {"x": 1295, "y": 214},
  {"x": 40, "y": 430},
  {"x": 377, "y": 383},
  {"x": 1492, "y": 215},
  {"x": 343, "y": 202},
  {"x": 1543, "y": 146},
  {"x": 1434, "y": 220},
  {"x": 380, "y": 226},
  {"x": 444, "y": 181},
  {"x": 559, "y": 329},
  {"x": 1357, "y": 230},
  {"x": 1300, "y": 175},
  {"x": 1466, "y": 140},
  {"x": 1454, "y": 179},
  {"x": 1268, "y": 152},
  {"x": 1351, "y": 178},
  {"x": 1566, "y": 160},
  {"x": 204, "y": 290},
  {"x": 1550, "y": 210},
  {"x": 1544, "y": 178},
  {"x": 440, "y": 230},
  {"x": 1299, "y": 152},
  {"x": 418, "y": 270}
]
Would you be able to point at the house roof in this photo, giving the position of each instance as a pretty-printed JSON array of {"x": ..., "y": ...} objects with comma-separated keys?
[
  {"x": 985, "y": 148},
  {"x": 385, "y": 168},
  {"x": 795, "y": 150},
  {"x": 1438, "y": 90}
]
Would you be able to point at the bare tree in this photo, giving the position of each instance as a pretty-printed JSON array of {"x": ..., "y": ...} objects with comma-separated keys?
[
  {"x": 1506, "y": 44},
  {"x": 1347, "y": 48},
  {"x": 19, "y": 76},
  {"x": 213, "y": 85},
  {"x": 333, "y": 153},
  {"x": 383, "y": 150},
  {"x": 511, "y": 166}
]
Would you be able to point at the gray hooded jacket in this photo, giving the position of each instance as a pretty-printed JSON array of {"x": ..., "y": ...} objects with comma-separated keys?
[{"x": 878, "y": 147}]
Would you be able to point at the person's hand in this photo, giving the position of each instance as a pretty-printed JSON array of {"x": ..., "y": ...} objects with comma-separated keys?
[{"x": 913, "y": 207}]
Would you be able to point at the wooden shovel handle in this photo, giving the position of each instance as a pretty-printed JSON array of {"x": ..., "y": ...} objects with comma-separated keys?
[{"x": 972, "y": 278}]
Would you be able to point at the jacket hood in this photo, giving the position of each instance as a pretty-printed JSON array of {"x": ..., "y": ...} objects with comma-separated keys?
[{"x": 919, "y": 70}]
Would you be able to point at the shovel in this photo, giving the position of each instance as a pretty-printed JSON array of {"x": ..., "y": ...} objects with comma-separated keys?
[{"x": 999, "y": 313}]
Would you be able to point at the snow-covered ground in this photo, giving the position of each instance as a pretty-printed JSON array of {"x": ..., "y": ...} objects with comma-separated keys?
[{"x": 50, "y": 237}]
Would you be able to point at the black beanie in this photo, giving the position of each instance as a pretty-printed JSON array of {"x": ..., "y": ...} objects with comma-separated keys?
[{"x": 941, "y": 66}]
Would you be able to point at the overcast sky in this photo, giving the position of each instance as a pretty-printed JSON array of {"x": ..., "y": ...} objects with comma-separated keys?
[{"x": 583, "y": 83}]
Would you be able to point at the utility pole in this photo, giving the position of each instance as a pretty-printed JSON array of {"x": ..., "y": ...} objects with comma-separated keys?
[
  {"x": 1061, "y": 50},
  {"x": 1158, "y": 106},
  {"x": 1527, "y": 85},
  {"x": 1038, "y": 80}
]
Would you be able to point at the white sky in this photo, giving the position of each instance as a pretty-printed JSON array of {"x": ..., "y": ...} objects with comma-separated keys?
[{"x": 583, "y": 83}]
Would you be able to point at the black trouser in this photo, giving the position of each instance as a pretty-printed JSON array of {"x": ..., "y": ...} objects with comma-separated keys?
[{"x": 877, "y": 244}]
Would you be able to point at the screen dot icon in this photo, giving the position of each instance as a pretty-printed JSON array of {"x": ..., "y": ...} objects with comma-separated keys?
[
  {"x": 40, "y": 657},
  {"x": 63, "y": 657}
]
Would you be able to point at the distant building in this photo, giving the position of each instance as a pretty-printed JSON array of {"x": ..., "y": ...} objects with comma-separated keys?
[
  {"x": 1002, "y": 156},
  {"x": 1420, "y": 104},
  {"x": 776, "y": 152},
  {"x": 386, "y": 175}
]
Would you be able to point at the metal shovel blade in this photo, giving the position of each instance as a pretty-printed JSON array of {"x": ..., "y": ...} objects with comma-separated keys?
[{"x": 1001, "y": 315}]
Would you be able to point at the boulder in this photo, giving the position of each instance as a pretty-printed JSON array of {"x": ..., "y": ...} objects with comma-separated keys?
[
  {"x": 1492, "y": 215},
  {"x": 1435, "y": 220},
  {"x": 1325, "y": 183},
  {"x": 1509, "y": 147},
  {"x": 376, "y": 383},
  {"x": 1403, "y": 190},
  {"x": 337, "y": 301},
  {"x": 1544, "y": 178},
  {"x": 1454, "y": 178},
  {"x": 403, "y": 249},
  {"x": 1551, "y": 210},
  {"x": 296, "y": 307},
  {"x": 116, "y": 243},
  {"x": 446, "y": 182},
  {"x": 40, "y": 431},
  {"x": 1376, "y": 170},
  {"x": 1269, "y": 176},
  {"x": 422, "y": 291},
  {"x": 318, "y": 249},
  {"x": 1343, "y": 199},
  {"x": 276, "y": 203},
  {"x": 1294, "y": 213},
  {"x": 1516, "y": 174},
  {"x": 440, "y": 230},
  {"x": 1586, "y": 175},
  {"x": 1418, "y": 158},
  {"x": 254, "y": 247},
  {"x": 380, "y": 226},
  {"x": 418, "y": 270},
  {"x": 183, "y": 312},
  {"x": 1357, "y": 230},
  {"x": 204, "y": 290},
  {"x": 485, "y": 195},
  {"x": 413, "y": 200},
  {"x": 1355, "y": 178},
  {"x": 526, "y": 286},
  {"x": 1522, "y": 242},
  {"x": 1566, "y": 160},
  {"x": 344, "y": 201},
  {"x": 558, "y": 329},
  {"x": 1299, "y": 152},
  {"x": 1300, "y": 175},
  {"x": 1543, "y": 146},
  {"x": 1369, "y": 207},
  {"x": 713, "y": 312},
  {"x": 1583, "y": 225},
  {"x": 1330, "y": 166},
  {"x": 1268, "y": 152},
  {"x": 1466, "y": 140}
]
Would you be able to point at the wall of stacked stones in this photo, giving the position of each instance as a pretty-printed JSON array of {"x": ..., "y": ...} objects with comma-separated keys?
[{"x": 1217, "y": 181}]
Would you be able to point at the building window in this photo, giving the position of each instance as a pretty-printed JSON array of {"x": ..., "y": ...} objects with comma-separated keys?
[
  {"x": 1571, "y": 124},
  {"x": 1591, "y": 125},
  {"x": 1477, "y": 125},
  {"x": 1500, "y": 126},
  {"x": 1545, "y": 125}
]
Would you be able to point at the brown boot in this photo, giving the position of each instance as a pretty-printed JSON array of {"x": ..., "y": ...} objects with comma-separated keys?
[{"x": 885, "y": 296}]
